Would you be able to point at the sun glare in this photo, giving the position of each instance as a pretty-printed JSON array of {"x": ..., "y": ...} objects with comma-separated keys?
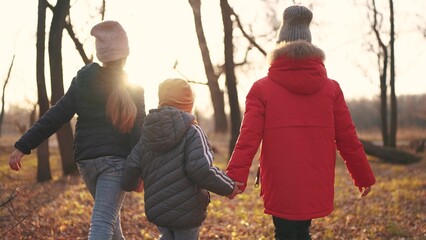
[{"x": 162, "y": 46}]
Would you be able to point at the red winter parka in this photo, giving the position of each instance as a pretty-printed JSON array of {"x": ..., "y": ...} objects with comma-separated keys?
[{"x": 300, "y": 117}]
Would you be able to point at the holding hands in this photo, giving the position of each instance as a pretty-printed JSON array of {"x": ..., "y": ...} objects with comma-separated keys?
[
  {"x": 236, "y": 190},
  {"x": 140, "y": 186}
]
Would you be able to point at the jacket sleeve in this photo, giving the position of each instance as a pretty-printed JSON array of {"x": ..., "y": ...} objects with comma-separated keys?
[
  {"x": 61, "y": 113},
  {"x": 140, "y": 118},
  {"x": 348, "y": 144},
  {"x": 132, "y": 169},
  {"x": 199, "y": 164},
  {"x": 249, "y": 140}
]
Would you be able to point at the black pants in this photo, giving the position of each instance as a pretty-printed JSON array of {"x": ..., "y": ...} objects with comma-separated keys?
[{"x": 291, "y": 229}]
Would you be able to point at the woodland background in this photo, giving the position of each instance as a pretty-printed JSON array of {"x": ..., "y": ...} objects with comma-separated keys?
[{"x": 47, "y": 199}]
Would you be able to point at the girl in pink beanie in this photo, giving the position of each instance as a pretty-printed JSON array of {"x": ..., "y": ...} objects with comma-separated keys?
[{"x": 110, "y": 116}]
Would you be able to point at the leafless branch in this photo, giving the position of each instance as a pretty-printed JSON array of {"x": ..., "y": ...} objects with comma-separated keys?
[
  {"x": 77, "y": 43},
  {"x": 102, "y": 10},
  {"x": 12, "y": 196},
  {"x": 184, "y": 77},
  {"x": 71, "y": 33},
  {"x": 376, "y": 25},
  {"x": 8, "y": 203},
  {"x": 249, "y": 38},
  {"x": 3, "y": 92},
  {"x": 245, "y": 58}
]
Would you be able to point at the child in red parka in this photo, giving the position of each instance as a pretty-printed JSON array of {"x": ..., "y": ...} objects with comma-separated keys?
[{"x": 300, "y": 117}]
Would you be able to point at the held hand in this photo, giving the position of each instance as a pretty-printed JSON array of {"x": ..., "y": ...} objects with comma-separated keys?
[
  {"x": 140, "y": 186},
  {"x": 15, "y": 160},
  {"x": 236, "y": 190},
  {"x": 364, "y": 190}
]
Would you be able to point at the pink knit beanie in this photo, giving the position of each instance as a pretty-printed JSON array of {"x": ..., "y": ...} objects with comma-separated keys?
[{"x": 111, "y": 41}]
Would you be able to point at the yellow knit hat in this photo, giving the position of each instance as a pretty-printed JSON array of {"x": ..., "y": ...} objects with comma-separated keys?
[{"x": 176, "y": 92}]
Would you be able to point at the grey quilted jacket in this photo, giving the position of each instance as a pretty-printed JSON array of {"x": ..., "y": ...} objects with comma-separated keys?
[{"x": 174, "y": 159}]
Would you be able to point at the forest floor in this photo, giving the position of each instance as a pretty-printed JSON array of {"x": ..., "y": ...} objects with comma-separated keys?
[{"x": 61, "y": 208}]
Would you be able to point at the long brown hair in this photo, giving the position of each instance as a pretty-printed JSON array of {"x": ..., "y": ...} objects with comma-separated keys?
[{"x": 120, "y": 107}]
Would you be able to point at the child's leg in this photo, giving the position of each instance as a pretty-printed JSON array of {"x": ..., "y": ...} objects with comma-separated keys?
[
  {"x": 187, "y": 234},
  {"x": 165, "y": 233},
  {"x": 289, "y": 229},
  {"x": 179, "y": 234}
]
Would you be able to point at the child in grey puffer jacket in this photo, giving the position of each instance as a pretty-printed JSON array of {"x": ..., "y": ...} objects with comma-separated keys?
[{"x": 175, "y": 162}]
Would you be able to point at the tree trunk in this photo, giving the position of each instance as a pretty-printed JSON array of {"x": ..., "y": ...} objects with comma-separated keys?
[
  {"x": 65, "y": 134},
  {"x": 221, "y": 124},
  {"x": 384, "y": 102},
  {"x": 382, "y": 54},
  {"x": 388, "y": 154},
  {"x": 43, "y": 165},
  {"x": 393, "y": 101},
  {"x": 231, "y": 82},
  {"x": 4, "y": 92}
]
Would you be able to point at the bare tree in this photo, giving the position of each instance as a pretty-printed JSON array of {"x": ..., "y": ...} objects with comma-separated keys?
[
  {"x": 386, "y": 58},
  {"x": 65, "y": 134},
  {"x": 216, "y": 94},
  {"x": 43, "y": 165},
  {"x": 229, "y": 65},
  {"x": 3, "y": 93},
  {"x": 382, "y": 58},
  {"x": 393, "y": 101},
  {"x": 231, "y": 80}
]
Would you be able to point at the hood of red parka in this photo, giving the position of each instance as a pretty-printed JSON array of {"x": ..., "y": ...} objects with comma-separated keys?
[{"x": 298, "y": 66}]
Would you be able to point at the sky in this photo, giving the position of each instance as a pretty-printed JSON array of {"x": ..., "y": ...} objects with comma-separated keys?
[{"x": 162, "y": 32}]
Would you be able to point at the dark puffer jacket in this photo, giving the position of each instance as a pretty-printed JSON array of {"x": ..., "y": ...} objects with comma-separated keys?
[
  {"x": 95, "y": 136},
  {"x": 174, "y": 159}
]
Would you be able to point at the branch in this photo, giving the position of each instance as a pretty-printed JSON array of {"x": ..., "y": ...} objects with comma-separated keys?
[
  {"x": 3, "y": 93},
  {"x": 49, "y": 5},
  {"x": 68, "y": 27},
  {"x": 183, "y": 76},
  {"x": 245, "y": 58},
  {"x": 77, "y": 43},
  {"x": 375, "y": 27},
  {"x": 250, "y": 39},
  {"x": 103, "y": 9},
  {"x": 12, "y": 196}
]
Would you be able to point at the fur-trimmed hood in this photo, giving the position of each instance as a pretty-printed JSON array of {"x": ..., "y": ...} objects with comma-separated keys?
[{"x": 298, "y": 66}]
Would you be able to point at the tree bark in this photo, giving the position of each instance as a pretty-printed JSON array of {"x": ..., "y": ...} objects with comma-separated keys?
[
  {"x": 65, "y": 134},
  {"x": 43, "y": 165},
  {"x": 231, "y": 82},
  {"x": 221, "y": 124},
  {"x": 393, "y": 101}
]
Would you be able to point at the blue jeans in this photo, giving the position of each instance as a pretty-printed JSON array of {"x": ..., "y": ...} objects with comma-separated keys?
[
  {"x": 103, "y": 179},
  {"x": 178, "y": 234}
]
